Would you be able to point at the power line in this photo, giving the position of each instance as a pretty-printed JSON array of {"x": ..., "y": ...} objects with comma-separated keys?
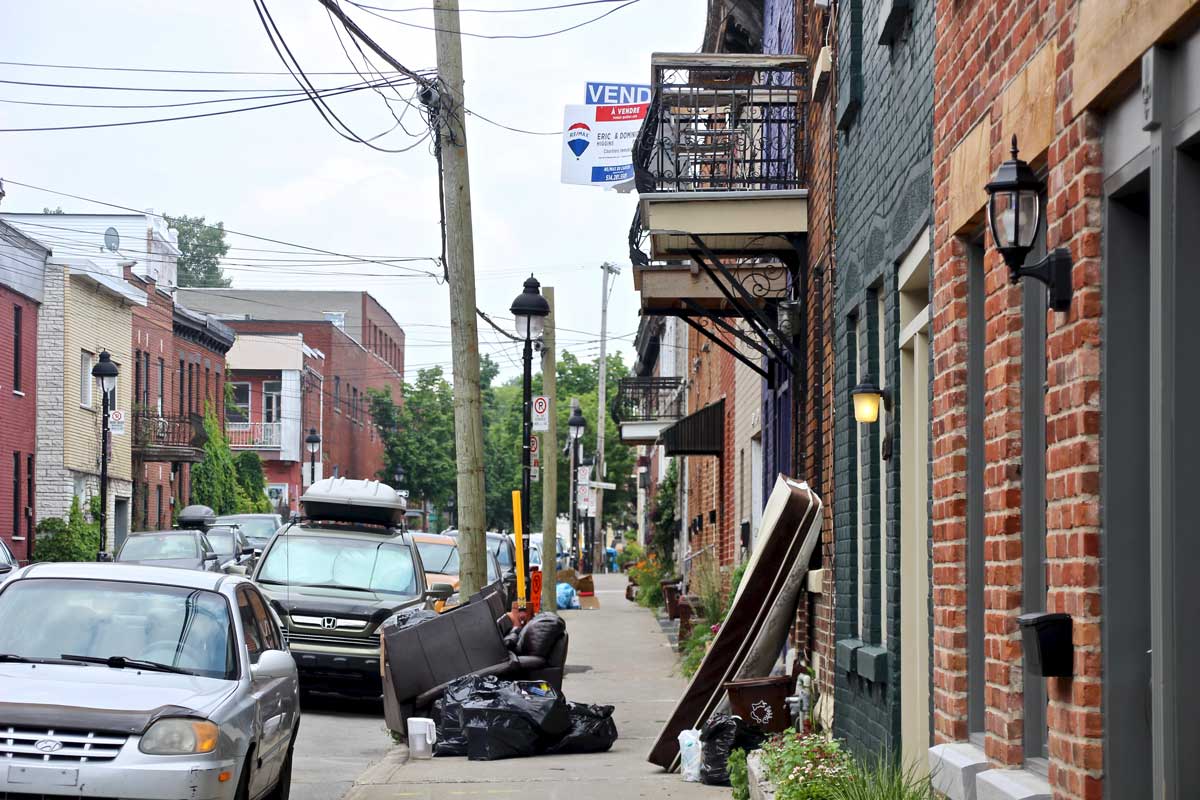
[
  {"x": 490, "y": 10},
  {"x": 95, "y": 68},
  {"x": 494, "y": 36}
]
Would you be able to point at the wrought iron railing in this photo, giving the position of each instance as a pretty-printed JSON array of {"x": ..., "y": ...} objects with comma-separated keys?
[
  {"x": 648, "y": 400},
  {"x": 723, "y": 123},
  {"x": 254, "y": 435},
  {"x": 152, "y": 430}
]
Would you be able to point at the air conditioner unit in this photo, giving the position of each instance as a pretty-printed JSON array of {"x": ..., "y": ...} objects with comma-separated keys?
[{"x": 822, "y": 72}]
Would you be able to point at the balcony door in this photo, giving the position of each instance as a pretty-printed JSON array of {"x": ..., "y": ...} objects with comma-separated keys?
[{"x": 272, "y": 405}]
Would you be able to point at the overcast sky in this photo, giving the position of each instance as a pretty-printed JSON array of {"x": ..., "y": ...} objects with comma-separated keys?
[{"x": 284, "y": 174}]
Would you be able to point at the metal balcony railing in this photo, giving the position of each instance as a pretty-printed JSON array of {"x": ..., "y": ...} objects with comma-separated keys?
[
  {"x": 723, "y": 123},
  {"x": 254, "y": 435},
  {"x": 648, "y": 400},
  {"x": 152, "y": 430}
]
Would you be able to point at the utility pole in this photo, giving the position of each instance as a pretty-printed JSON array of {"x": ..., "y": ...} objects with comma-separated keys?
[
  {"x": 444, "y": 99},
  {"x": 549, "y": 454},
  {"x": 602, "y": 415},
  {"x": 446, "y": 107}
]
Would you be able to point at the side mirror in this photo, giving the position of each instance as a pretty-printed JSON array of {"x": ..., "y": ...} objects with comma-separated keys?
[
  {"x": 104, "y": 557},
  {"x": 256, "y": 552},
  {"x": 5, "y": 568},
  {"x": 249, "y": 551},
  {"x": 273, "y": 664},
  {"x": 440, "y": 591}
]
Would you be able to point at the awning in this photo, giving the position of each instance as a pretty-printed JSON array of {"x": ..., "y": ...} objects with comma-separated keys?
[{"x": 698, "y": 434}]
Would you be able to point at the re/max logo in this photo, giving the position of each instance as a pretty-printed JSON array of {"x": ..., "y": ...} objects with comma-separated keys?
[{"x": 617, "y": 94}]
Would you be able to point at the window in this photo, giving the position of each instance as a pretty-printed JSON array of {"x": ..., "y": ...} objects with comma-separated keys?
[
  {"x": 238, "y": 408},
  {"x": 338, "y": 318},
  {"x": 353, "y": 403},
  {"x": 191, "y": 388},
  {"x": 85, "y": 378},
  {"x": 272, "y": 407},
  {"x": 162, "y": 368},
  {"x": 182, "y": 395},
  {"x": 158, "y": 506},
  {"x": 251, "y": 633},
  {"x": 207, "y": 396},
  {"x": 138, "y": 382},
  {"x": 28, "y": 499},
  {"x": 337, "y": 394},
  {"x": 16, "y": 484},
  {"x": 17, "y": 312},
  {"x": 145, "y": 396},
  {"x": 271, "y": 637}
]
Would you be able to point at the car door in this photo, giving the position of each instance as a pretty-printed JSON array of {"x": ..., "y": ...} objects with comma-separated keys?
[
  {"x": 209, "y": 560},
  {"x": 267, "y": 694}
]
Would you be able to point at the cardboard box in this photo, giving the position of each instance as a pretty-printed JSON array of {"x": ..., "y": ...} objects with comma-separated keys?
[{"x": 589, "y": 602}]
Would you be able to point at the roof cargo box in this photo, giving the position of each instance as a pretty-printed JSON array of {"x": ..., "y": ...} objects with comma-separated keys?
[
  {"x": 347, "y": 500},
  {"x": 197, "y": 517}
]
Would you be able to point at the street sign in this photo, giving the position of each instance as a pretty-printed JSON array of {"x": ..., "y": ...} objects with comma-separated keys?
[
  {"x": 534, "y": 445},
  {"x": 612, "y": 487},
  {"x": 116, "y": 422},
  {"x": 533, "y": 474},
  {"x": 541, "y": 413}
]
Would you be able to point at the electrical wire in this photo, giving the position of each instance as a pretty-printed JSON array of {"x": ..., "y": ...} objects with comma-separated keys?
[
  {"x": 492, "y": 10},
  {"x": 91, "y": 67},
  {"x": 494, "y": 36}
]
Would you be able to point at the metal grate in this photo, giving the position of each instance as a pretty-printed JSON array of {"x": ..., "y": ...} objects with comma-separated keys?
[
  {"x": 334, "y": 641},
  {"x": 51, "y": 745},
  {"x": 650, "y": 399}
]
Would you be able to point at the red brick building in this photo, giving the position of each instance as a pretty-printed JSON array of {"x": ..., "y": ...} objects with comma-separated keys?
[
  {"x": 1061, "y": 471},
  {"x": 22, "y": 262}
]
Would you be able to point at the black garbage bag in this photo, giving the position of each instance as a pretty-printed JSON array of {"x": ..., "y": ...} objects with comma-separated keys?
[
  {"x": 592, "y": 730},
  {"x": 540, "y": 634},
  {"x": 494, "y": 731},
  {"x": 447, "y": 711},
  {"x": 540, "y": 704},
  {"x": 408, "y": 618},
  {"x": 719, "y": 737}
]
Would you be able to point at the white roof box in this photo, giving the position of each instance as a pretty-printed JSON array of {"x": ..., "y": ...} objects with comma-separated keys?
[{"x": 347, "y": 500}]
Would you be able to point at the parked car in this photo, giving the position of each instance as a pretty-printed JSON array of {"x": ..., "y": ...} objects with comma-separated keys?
[
  {"x": 236, "y": 554},
  {"x": 259, "y": 528},
  {"x": 336, "y": 574},
  {"x": 144, "y": 683},
  {"x": 8, "y": 562},
  {"x": 439, "y": 557},
  {"x": 185, "y": 549}
]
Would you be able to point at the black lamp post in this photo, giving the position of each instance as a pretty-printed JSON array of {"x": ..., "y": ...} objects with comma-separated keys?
[
  {"x": 1014, "y": 213},
  {"x": 529, "y": 311},
  {"x": 313, "y": 443},
  {"x": 576, "y": 425},
  {"x": 106, "y": 372}
]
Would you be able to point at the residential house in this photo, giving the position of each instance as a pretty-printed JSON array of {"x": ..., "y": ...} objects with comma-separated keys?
[
  {"x": 22, "y": 284},
  {"x": 85, "y": 311},
  {"x": 178, "y": 375},
  {"x": 1061, "y": 467}
]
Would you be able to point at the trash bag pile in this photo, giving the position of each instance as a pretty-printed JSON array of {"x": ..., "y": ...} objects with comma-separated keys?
[
  {"x": 486, "y": 718},
  {"x": 566, "y": 595},
  {"x": 704, "y": 754}
]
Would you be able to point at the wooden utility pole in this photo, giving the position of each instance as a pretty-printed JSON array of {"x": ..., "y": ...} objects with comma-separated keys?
[
  {"x": 549, "y": 453},
  {"x": 598, "y": 540},
  {"x": 451, "y": 130}
]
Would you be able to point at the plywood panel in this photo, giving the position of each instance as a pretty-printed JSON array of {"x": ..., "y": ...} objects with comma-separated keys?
[
  {"x": 1027, "y": 104},
  {"x": 970, "y": 164}
]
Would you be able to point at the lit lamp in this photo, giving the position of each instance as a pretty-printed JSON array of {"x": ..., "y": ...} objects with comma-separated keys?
[
  {"x": 867, "y": 399},
  {"x": 1014, "y": 214},
  {"x": 313, "y": 443},
  {"x": 529, "y": 311},
  {"x": 105, "y": 371}
]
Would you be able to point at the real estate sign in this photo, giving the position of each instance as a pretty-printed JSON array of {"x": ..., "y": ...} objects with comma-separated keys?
[{"x": 598, "y": 136}]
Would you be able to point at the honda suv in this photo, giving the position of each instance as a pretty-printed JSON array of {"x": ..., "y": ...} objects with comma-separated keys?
[{"x": 335, "y": 574}]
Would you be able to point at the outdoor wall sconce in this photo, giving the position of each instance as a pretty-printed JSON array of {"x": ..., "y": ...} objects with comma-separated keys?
[
  {"x": 867, "y": 399},
  {"x": 1014, "y": 212}
]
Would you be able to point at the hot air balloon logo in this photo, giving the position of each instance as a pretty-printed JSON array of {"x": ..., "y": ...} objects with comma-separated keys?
[{"x": 579, "y": 136}]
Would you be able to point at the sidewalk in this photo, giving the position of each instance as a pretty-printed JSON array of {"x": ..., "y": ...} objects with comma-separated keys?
[{"x": 618, "y": 656}]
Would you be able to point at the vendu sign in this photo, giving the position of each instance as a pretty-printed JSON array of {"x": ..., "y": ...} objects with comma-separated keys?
[{"x": 598, "y": 136}]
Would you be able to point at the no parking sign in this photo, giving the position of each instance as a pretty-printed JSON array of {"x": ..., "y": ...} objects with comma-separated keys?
[{"x": 541, "y": 413}]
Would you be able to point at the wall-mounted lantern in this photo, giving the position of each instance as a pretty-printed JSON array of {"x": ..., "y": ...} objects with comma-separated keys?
[
  {"x": 867, "y": 397},
  {"x": 1014, "y": 213}
]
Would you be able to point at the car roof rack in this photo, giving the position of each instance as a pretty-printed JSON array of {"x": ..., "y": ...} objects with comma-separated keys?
[{"x": 350, "y": 500}]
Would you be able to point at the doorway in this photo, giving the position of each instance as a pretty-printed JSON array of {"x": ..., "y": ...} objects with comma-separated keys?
[{"x": 120, "y": 520}]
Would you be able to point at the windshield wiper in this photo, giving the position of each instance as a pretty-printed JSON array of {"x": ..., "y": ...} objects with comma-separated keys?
[
  {"x": 121, "y": 662},
  {"x": 273, "y": 583},
  {"x": 13, "y": 658}
]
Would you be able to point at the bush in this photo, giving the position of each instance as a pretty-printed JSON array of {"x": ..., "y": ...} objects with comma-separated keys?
[
  {"x": 806, "y": 767},
  {"x": 73, "y": 539},
  {"x": 214, "y": 480},
  {"x": 883, "y": 779},
  {"x": 631, "y": 553},
  {"x": 647, "y": 573},
  {"x": 251, "y": 495},
  {"x": 694, "y": 648},
  {"x": 739, "y": 775},
  {"x": 705, "y": 583}
]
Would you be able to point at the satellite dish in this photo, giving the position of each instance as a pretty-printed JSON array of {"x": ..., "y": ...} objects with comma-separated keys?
[{"x": 112, "y": 240}]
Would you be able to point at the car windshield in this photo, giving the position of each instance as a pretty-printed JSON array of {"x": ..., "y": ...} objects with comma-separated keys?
[
  {"x": 254, "y": 527},
  {"x": 438, "y": 557},
  {"x": 159, "y": 547},
  {"x": 338, "y": 562},
  {"x": 221, "y": 540},
  {"x": 503, "y": 554},
  {"x": 184, "y": 628}
]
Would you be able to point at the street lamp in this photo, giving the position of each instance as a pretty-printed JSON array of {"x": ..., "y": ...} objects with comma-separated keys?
[
  {"x": 1014, "y": 214},
  {"x": 106, "y": 372},
  {"x": 867, "y": 399},
  {"x": 313, "y": 443},
  {"x": 529, "y": 310},
  {"x": 575, "y": 428}
]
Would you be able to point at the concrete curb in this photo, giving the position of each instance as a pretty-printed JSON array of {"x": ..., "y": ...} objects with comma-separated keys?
[{"x": 760, "y": 787}]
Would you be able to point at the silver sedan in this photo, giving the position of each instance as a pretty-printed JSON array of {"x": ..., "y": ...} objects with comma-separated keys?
[{"x": 143, "y": 683}]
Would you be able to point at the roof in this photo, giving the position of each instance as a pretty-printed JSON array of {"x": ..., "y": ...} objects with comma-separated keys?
[
  {"x": 169, "y": 576},
  {"x": 86, "y": 270}
]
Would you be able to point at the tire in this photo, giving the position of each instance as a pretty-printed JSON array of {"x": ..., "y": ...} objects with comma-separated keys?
[{"x": 283, "y": 787}]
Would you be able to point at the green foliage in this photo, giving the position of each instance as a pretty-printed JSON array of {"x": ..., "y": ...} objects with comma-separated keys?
[
  {"x": 648, "y": 573},
  {"x": 735, "y": 580},
  {"x": 664, "y": 514},
  {"x": 502, "y": 432},
  {"x": 251, "y": 484},
  {"x": 632, "y": 554},
  {"x": 694, "y": 648},
  {"x": 806, "y": 767},
  {"x": 202, "y": 247},
  {"x": 883, "y": 779},
  {"x": 72, "y": 539},
  {"x": 418, "y": 436},
  {"x": 739, "y": 775},
  {"x": 704, "y": 580},
  {"x": 215, "y": 479}
]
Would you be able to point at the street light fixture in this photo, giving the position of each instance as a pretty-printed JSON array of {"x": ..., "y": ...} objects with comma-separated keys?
[
  {"x": 313, "y": 443},
  {"x": 529, "y": 310},
  {"x": 576, "y": 425},
  {"x": 105, "y": 371},
  {"x": 1014, "y": 214},
  {"x": 867, "y": 399}
]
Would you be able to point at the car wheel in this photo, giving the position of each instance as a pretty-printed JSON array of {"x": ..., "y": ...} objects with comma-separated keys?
[{"x": 283, "y": 787}]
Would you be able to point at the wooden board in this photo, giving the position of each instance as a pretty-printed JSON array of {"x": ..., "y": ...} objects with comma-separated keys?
[{"x": 788, "y": 515}]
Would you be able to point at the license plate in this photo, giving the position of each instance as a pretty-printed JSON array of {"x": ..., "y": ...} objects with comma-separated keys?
[{"x": 43, "y": 776}]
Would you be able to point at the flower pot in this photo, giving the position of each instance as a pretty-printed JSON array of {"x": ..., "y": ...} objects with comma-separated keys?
[{"x": 761, "y": 701}]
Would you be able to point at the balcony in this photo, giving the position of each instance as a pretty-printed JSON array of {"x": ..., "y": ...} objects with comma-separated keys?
[
  {"x": 721, "y": 173},
  {"x": 645, "y": 406},
  {"x": 159, "y": 438},
  {"x": 254, "y": 435}
]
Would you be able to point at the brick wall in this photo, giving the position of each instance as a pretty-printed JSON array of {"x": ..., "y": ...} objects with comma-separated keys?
[{"x": 18, "y": 410}]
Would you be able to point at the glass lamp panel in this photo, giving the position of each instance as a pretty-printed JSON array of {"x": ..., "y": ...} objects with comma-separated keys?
[
  {"x": 1004, "y": 219},
  {"x": 521, "y": 323},
  {"x": 866, "y": 407},
  {"x": 1028, "y": 218},
  {"x": 108, "y": 383},
  {"x": 536, "y": 325}
]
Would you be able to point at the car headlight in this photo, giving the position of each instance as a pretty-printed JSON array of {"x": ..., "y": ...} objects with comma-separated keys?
[{"x": 180, "y": 737}]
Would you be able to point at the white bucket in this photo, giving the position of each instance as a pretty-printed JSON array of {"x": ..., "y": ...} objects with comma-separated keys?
[{"x": 421, "y": 736}]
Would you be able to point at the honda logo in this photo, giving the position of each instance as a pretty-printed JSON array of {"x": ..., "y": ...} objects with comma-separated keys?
[
  {"x": 47, "y": 745},
  {"x": 329, "y": 623}
]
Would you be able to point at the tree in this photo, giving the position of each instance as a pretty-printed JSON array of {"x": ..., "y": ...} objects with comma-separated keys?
[
  {"x": 202, "y": 247},
  {"x": 252, "y": 484},
  {"x": 214, "y": 480}
]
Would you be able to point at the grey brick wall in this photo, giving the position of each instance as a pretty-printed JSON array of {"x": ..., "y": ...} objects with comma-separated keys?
[{"x": 884, "y": 201}]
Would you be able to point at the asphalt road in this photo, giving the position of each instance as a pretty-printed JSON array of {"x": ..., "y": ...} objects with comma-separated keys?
[{"x": 339, "y": 738}]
